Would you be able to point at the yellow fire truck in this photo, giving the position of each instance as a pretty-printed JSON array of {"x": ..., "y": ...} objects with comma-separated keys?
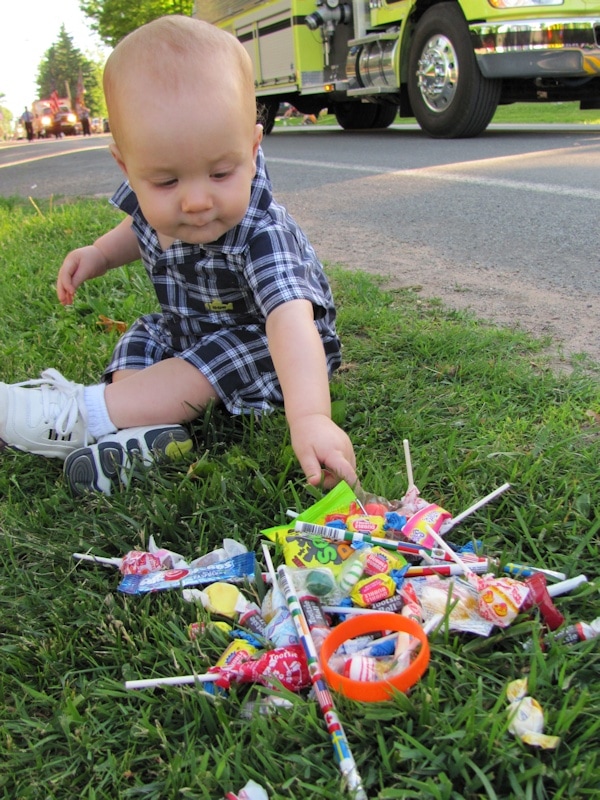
[{"x": 448, "y": 63}]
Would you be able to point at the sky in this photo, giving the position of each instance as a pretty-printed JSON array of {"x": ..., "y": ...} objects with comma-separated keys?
[{"x": 29, "y": 28}]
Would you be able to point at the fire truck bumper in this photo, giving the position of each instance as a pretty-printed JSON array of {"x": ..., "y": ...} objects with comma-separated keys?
[{"x": 559, "y": 48}]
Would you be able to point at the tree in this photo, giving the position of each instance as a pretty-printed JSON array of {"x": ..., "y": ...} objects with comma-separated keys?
[
  {"x": 60, "y": 69},
  {"x": 5, "y": 119},
  {"x": 114, "y": 19}
]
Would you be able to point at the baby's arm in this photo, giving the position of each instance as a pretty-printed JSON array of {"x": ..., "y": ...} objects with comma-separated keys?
[
  {"x": 299, "y": 359},
  {"x": 116, "y": 248}
]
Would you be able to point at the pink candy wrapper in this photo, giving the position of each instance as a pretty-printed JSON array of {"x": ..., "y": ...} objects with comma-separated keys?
[
  {"x": 138, "y": 562},
  {"x": 415, "y": 529}
]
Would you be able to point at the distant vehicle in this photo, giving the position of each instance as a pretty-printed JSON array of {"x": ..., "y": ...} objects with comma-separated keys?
[
  {"x": 97, "y": 125},
  {"x": 65, "y": 122},
  {"x": 48, "y": 123},
  {"x": 43, "y": 118},
  {"x": 20, "y": 132}
]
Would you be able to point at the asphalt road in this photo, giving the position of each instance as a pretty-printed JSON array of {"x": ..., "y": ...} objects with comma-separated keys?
[{"x": 504, "y": 224}]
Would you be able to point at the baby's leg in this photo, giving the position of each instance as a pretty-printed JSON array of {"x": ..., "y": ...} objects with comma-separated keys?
[
  {"x": 147, "y": 406},
  {"x": 170, "y": 391}
]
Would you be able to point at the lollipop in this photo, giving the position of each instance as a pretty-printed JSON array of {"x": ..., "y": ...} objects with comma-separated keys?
[{"x": 284, "y": 666}]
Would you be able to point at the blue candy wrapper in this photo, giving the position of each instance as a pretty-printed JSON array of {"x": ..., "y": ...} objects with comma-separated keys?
[{"x": 235, "y": 569}]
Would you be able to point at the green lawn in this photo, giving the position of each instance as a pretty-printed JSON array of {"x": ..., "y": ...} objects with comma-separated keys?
[{"x": 480, "y": 407}]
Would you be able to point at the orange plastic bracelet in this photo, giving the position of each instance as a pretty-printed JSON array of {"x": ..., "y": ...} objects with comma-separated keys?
[{"x": 374, "y": 691}]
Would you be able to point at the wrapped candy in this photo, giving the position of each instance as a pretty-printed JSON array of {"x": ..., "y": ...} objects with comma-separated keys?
[
  {"x": 138, "y": 562},
  {"x": 526, "y": 717},
  {"x": 284, "y": 666},
  {"x": 500, "y": 599},
  {"x": 250, "y": 791}
]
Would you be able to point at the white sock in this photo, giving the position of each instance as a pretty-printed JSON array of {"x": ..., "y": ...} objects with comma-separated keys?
[{"x": 99, "y": 423}]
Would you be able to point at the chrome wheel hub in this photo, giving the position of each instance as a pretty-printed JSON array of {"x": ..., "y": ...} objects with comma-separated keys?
[{"x": 437, "y": 73}]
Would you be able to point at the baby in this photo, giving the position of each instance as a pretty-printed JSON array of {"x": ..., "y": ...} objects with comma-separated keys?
[{"x": 247, "y": 317}]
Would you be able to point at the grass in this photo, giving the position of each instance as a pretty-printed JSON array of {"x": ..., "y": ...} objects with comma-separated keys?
[
  {"x": 515, "y": 113},
  {"x": 479, "y": 405}
]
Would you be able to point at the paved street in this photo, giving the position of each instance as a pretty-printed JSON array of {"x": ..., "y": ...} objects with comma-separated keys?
[{"x": 503, "y": 224}]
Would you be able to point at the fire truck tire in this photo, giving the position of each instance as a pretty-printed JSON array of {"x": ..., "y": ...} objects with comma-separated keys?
[
  {"x": 449, "y": 96},
  {"x": 353, "y": 116},
  {"x": 386, "y": 114},
  {"x": 267, "y": 111}
]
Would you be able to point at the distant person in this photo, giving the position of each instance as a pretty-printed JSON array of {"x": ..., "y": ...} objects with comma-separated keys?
[
  {"x": 292, "y": 111},
  {"x": 247, "y": 316},
  {"x": 84, "y": 118},
  {"x": 28, "y": 122}
]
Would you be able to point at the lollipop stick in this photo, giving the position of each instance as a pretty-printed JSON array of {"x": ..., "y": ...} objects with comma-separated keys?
[
  {"x": 269, "y": 563},
  {"x": 454, "y": 556},
  {"x": 175, "y": 680},
  {"x": 409, "y": 472},
  {"x": 111, "y": 562},
  {"x": 341, "y": 748},
  {"x": 352, "y": 610},
  {"x": 491, "y": 496}
]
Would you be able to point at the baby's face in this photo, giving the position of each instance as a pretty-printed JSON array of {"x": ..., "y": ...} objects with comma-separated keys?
[{"x": 191, "y": 166}]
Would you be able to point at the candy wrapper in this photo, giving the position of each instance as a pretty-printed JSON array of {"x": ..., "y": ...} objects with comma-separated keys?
[
  {"x": 238, "y": 568},
  {"x": 285, "y": 666},
  {"x": 372, "y": 590},
  {"x": 337, "y": 500},
  {"x": 454, "y": 597},
  {"x": 500, "y": 599},
  {"x": 527, "y": 718},
  {"x": 416, "y": 528},
  {"x": 280, "y": 628},
  {"x": 251, "y": 791},
  {"x": 139, "y": 562},
  {"x": 310, "y": 552}
]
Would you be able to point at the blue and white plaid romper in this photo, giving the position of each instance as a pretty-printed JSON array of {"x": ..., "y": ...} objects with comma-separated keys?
[{"x": 215, "y": 299}]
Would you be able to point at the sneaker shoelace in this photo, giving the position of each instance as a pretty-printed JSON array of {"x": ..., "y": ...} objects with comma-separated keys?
[{"x": 67, "y": 396}]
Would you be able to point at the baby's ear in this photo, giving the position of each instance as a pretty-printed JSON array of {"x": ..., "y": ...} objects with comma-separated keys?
[
  {"x": 116, "y": 154},
  {"x": 258, "y": 136}
]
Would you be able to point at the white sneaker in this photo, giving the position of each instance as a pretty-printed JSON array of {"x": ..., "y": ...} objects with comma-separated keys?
[
  {"x": 113, "y": 459},
  {"x": 45, "y": 416}
]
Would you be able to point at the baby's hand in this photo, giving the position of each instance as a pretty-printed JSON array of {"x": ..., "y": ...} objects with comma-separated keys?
[
  {"x": 79, "y": 266},
  {"x": 324, "y": 451}
]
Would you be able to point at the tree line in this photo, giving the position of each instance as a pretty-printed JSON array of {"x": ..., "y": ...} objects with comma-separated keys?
[{"x": 64, "y": 67}]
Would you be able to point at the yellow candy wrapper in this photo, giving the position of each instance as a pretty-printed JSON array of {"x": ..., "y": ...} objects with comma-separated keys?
[
  {"x": 373, "y": 590},
  {"x": 527, "y": 718}
]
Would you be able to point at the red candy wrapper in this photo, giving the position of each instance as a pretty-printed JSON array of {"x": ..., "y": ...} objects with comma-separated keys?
[{"x": 285, "y": 665}]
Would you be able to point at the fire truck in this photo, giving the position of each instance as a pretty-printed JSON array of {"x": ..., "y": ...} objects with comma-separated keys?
[
  {"x": 54, "y": 117},
  {"x": 448, "y": 63}
]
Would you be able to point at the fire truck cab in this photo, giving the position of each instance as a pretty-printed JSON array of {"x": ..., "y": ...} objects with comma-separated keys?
[{"x": 49, "y": 121}]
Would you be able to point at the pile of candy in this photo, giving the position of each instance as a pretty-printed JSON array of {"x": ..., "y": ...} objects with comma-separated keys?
[
  {"x": 345, "y": 556},
  {"x": 385, "y": 564}
]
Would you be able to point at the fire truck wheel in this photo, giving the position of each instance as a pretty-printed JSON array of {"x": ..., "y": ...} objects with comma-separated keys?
[
  {"x": 267, "y": 111},
  {"x": 449, "y": 96},
  {"x": 353, "y": 116},
  {"x": 386, "y": 114}
]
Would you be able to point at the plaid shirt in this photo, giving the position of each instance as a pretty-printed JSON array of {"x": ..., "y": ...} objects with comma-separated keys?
[
  {"x": 262, "y": 262},
  {"x": 215, "y": 299}
]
